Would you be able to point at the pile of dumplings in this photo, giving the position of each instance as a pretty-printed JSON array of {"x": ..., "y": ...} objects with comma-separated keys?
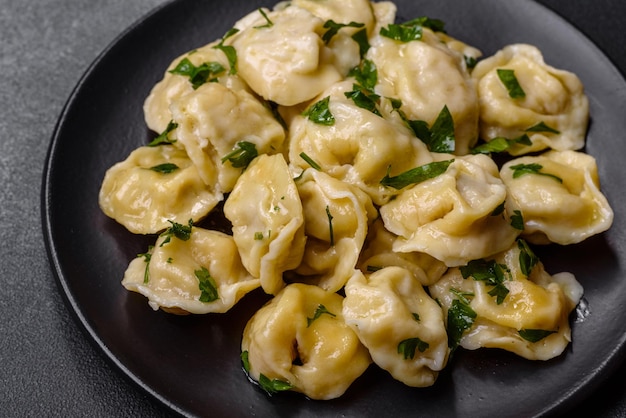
[{"x": 353, "y": 156}]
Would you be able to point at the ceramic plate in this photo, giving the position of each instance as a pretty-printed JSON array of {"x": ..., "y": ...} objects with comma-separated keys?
[{"x": 191, "y": 363}]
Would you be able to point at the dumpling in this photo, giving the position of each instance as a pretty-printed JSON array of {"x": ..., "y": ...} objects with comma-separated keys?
[
  {"x": 427, "y": 76},
  {"x": 453, "y": 217},
  {"x": 342, "y": 12},
  {"x": 195, "y": 271},
  {"x": 509, "y": 302},
  {"x": 336, "y": 218},
  {"x": 287, "y": 62},
  {"x": 268, "y": 223},
  {"x": 300, "y": 341},
  {"x": 553, "y": 109},
  {"x": 559, "y": 197},
  {"x": 154, "y": 185},
  {"x": 213, "y": 122},
  {"x": 378, "y": 253},
  {"x": 358, "y": 148},
  {"x": 401, "y": 326},
  {"x": 204, "y": 64}
]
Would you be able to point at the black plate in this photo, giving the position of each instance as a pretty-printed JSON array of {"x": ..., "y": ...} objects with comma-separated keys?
[{"x": 192, "y": 364}]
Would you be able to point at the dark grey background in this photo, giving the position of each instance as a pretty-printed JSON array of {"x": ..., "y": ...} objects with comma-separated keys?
[{"x": 47, "y": 365}]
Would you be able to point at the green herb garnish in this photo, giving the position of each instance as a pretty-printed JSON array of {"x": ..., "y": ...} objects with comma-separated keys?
[
  {"x": 534, "y": 168},
  {"x": 165, "y": 168},
  {"x": 490, "y": 272},
  {"x": 416, "y": 175},
  {"x": 334, "y": 27},
  {"x": 310, "y": 161},
  {"x": 330, "y": 226},
  {"x": 527, "y": 258},
  {"x": 182, "y": 232},
  {"x": 407, "y": 347},
  {"x": 365, "y": 74},
  {"x": 245, "y": 360},
  {"x": 542, "y": 127},
  {"x": 162, "y": 138},
  {"x": 147, "y": 257},
  {"x": 500, "y": 144},
  {"x": 364, "y": 98},
  {"x": 319, "y": 113},
  {"x": 534, "y": 335},
  {"x": 229, "y": 51},
  {"x": 242, "y": 155},
  {"x": 321, "y": 310},
  {"x": 272, "y": 386},
  {"x": 268, "y": 23},
  {"x": 507, "y": 77},
  {"x": 460, "y": 318},
  {"x": 207, "y": 285},
  {"x": 361, "y": 38},
  {"x": 517, "y": 220},
  {"x": 207, "y": 71}
]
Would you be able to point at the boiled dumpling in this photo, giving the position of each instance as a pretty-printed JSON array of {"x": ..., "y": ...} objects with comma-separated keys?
[
  {"x": 287, "y": 62},
  {"x": 358, "y": 148},
  {"x": 553, "y": 110},
  {"x": 453, "y": 217},
  {"x": 300, "y": 339},
  {"x": 401, "y": 326},
  {"x": 509, "y": 302},
  {"x": 197, "y": 271},
  {"x": 214, "y": 121},
  {"x": 336, "y": 218},
  {"x": 154, "y": 185},
  {"x": 559, "y": 197},
  {"x": 266, "y": 213}
]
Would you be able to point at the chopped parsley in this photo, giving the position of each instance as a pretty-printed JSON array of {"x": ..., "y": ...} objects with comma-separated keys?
[
  {"x": 361, "y": 38},
  {"x": 163, "y": 137},
  {"x": 517, "y": 220},
  {"x": 407, "y": 347},
  {"x": 207, "y": 285},
  {"x": 364, "y": 98},
  {"x": 330, "y": 226},
  {"x": 229, "y": 51},
  {"x": 319, "y": 113},
  {"x": 268, "y": 23},
  {"x": 534, "y": 335},
  {"x": 527, "y": 258},
  {"x": 365, "y": 74},
  {"x": 438, "y": 138},
  {"x": 334, "y": 27},
  {"x": 500, "y": 144},
  {"x": 542, "y": 127},
  {"x": 412, "y": 30},
  {"x": 319, "y": 311},
  {"x": 508, "y": 79},
  {"x": 182, "y": 232},
  {"x": 534, "y": 168},
  {"x": 258, "y": 236},
  {"x": 147, "y": 256},
  {"x": 199, "y": 75},
  {"x": 165, "y": 168},
  {"x": 416, "y": 175},
  {"x": 470, "y": 62},
  {"x": 242, "y": 155},
  {"x": 460, "y": 318},
  {"x": 310, "y": 161},
  {"x": 272, "y": 386},
  {"x": 245, "y": 360},
  {"x": 490, "y": 272}
]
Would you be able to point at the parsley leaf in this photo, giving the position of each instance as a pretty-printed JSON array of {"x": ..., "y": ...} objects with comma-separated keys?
[
  {"x": 229, "y": 51},
  {"x": 269, "y": 23},
  {"x": 517, "y": 220},
  {"x": 310, "y": 161},
  {"x": 507, "y": 77},
  {"x": 416, "y": 175},
  {"x": 319, "y": 113},
  {"x": 182, "y": 232},
  {"x": 272, "y": 386},
  {"x": 407, "y": 347},
  {"x": 365, "y": 74},
  {"x": 165, "y": 168},
  {"x": 361, "y": 38},
  {"x": 534, "y": 335},
  {"x": 460, "y": 318},
  {"x": 364, "y": 98},
  {"x": 411, "y": 30},
  {"x": 470, "y": 62},
  {"x": 163, "y": 139},
  {"x": 490, "y": 272},
  {"x": 500, "y": 144},
  {"x": 321, "y": 310},
  {"x": 438, "y": 138},
  {"x": 207, "y": 285},
  {"x": 521, "y": 169},
  {"x": 245, "y": 360},
  {"x": 527, "y": 258},
  {"x": 330, "y": 226},
  {"x": 334, "y": 27},
  {"x": 207, "y": 71},
  {"x": 242, "y": 155},
  {"x": 542, "y": 127},
  {"x": 147, "y": 257},
  {"x": 435, "y": 25}
]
